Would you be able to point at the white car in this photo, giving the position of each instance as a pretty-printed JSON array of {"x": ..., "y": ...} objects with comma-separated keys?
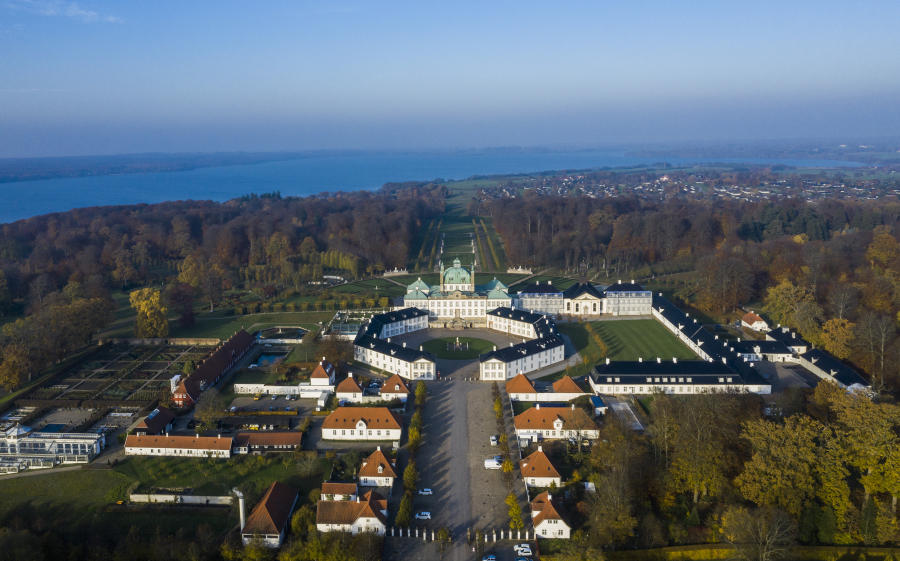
[
  {"x": 424, "y": 516},
  {"x": 495, "y": 440},
  {"x": 426, "y": 492},
  {"x": 492, "y": 463},
  {"x": 523, "y": 549}
]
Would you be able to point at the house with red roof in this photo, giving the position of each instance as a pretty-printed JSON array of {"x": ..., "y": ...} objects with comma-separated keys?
[
  {"x": 548, "y": 522},
  {"x": 349, "y": 390},
  {"x": 753, "y": 321},
  {"x": 539, "y": 423},
  {"x": 362, "y": 423},
  {"x": 538, "y": 470},
  {"x": 270, "y": 518},
  {"x": 395, "y": 388},
  {"x": 377, "y": 470},
  {"x": 323, "y": 374},
  {"x": 367, "y": 513}
]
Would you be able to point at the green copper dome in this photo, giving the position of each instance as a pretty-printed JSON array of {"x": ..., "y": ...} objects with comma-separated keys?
[{"x": 457, "y": 274}]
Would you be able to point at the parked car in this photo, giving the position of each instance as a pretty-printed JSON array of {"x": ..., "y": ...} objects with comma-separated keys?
[
  {"x": 492, "y": 463},
  {"x": 426, "y": 491},
  {"x": 274, "y": 397},
  {"x": 523, "y": 549},
  {"x": 489, "y": 557},
  {"x": 424, "y": 515},
  {"x": 495, "y": 440}
]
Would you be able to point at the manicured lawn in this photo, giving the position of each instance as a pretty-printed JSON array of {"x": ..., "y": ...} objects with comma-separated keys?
[
  {"x": 254, "y": 376},
  {"x": 79, "y": 490},
  {"x": 476, "y": 347},
  {"x": 225, "y": 326},
  {"x": 251, "y": 474},
  {"x": 629, "y": 339}
]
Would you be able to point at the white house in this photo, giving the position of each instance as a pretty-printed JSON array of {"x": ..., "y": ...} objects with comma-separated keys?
[
  {"x": 362, "y": 423},
  {"x": 582, "y": 300},
  {"x": 373, "y": 345},
  {"x": 179, "y": 446},
  {"x": 338, "y": 491},
  {"x": 377, "y": 470},
  {"x": 364, "y": 514},
  {"x": 752, "y": 320},
  {"x": 323, "y": 374},
  {"x": 349, "y": 390},
  {"x": 270, "y": 518},
  {"x": 539, "y": 471},
  {"x": 548, "y": 523},
  {"x": 548, "y": 423}
]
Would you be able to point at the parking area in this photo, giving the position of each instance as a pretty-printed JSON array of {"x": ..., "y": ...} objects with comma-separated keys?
[{"x": 247, "y": 403}]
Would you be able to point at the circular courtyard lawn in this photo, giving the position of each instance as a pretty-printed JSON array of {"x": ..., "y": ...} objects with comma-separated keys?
[{"x": 468, "y": 347}]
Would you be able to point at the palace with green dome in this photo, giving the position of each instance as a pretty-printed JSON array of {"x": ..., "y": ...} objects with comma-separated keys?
[{"x": 457, "y": 296}]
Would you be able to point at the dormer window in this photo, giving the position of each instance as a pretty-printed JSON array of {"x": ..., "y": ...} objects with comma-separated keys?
[{"x": 380, "y": 469}]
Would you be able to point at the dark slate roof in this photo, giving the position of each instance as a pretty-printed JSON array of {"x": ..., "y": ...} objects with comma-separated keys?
[
  {"x": 788, "y": 337},
  {"x": 368, "y": 335},
  {"x": 840, "y": 371},
  {"x": 669, "y": 373},
  {"x": 517, "y": 315},
  {"x": 210, "y": 369},
  {"x": 515, "y": 352},
  {"x": 538, "y": 288},
  {"x": 578, "y": 289},
  {"x": 625, "y": 287},
  {"x": 763, "y": 347}
]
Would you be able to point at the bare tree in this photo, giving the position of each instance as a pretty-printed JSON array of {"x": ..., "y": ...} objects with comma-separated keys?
[{"x": 762, "y": 534}]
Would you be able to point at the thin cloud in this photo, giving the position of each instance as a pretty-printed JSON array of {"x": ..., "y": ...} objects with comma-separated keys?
[{"x": 62, "y": 8}]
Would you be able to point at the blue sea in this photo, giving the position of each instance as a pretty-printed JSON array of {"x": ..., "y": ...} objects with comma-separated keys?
[{"x": 316, "y": 173}]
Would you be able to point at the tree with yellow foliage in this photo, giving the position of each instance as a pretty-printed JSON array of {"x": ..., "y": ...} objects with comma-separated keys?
[
  {"x": 837, "y": 333},
  {"x": 151, "y": 314}
]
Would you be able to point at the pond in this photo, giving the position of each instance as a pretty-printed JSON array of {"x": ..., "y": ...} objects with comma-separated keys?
[{"x": 268, "y": 359}]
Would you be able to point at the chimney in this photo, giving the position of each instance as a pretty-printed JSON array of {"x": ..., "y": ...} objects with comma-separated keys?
[
  {"x": 632, "y": 281},
  {"x": 607, "y": 360},
  {"x": 640, "y": 359},
  {"x": 196, "y": 435},
  {"x": 537, "y": 406},
  {"x": 167, "y": 434},
  {"x": 675, "y": 360},
  {"x": 420, "y": 348},
  {"x": 378, "y": 448},
  {"x": 241, "y": 508},
  {"x": 619, "y": 281},
  {"x": 495, "y": 347},
  {"x": 573, "y": 407},
  {"x": 323, "y": 359},
  {"x": 540, "y": 448},
  {"x": 404, "y": 344},
  {"x": 658, "y": 360}
]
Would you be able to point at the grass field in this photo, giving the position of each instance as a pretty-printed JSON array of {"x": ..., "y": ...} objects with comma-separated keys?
[
  {"x": 438, "y": 347},
  {"x": 369, "y": 286},
  {"x": 630, "y": 339},
  {"x": 78, "y": 490},
  {"x": 252, "y": 474}
]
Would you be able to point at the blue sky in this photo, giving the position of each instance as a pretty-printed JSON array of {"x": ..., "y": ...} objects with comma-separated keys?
[{"x": 89, "y": 77}]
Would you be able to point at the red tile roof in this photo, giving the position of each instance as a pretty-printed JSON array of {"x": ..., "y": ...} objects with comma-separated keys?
[
  {"x": 520, "y": 384},
  {"x": 537, "y": 464},
  {"x": 370, "y": 465},
  {"x": 394, "y": 384},
  {"x": 566, "y": 385},
  {"x": 256, "y": 438},
  {"x": 348, "y": 385},
  {"x": 542, "y": 418},
  {"x": 272, "y": 513},
  {"x": 751, "y": 318},
  {"x": 374, "y": 417},
  {"x": 322, "y": 370},
  {"x": 369, "y": 505},
  {"x": 542, "y": 508},
  {"x": 178, "y": 442},
  {"x": 338, "y": 488},
  {"x": 157, "y": 420}
]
